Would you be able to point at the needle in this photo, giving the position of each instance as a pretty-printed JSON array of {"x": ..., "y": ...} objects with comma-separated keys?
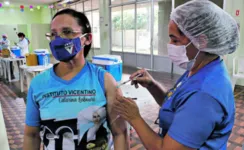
[
  {"x": 123, "y": 83},
  {"x": 117, "y": 117}
]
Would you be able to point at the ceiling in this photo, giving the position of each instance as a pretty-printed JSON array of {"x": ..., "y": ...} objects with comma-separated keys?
[{"x": 39, "y": 2}]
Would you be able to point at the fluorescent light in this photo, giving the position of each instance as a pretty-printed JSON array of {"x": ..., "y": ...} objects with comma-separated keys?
[
  {"x": 66, "y": 1},
  {"x": 6, "y": 3}
]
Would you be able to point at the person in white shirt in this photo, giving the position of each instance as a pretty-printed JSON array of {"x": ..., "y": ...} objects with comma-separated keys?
[
  {"x": 5, "y": 43},
  {"x": 23, "y": 44}
]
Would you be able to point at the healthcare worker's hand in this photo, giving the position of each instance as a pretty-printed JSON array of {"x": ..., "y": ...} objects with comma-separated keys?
[
  {"x": 145, "y": 80},
  {"x": 126, "y": 108}
]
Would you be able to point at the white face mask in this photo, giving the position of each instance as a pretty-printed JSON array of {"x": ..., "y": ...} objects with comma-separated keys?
[
  {"x": 178, "y": 56},
  {"x": 20, "y": 39}
]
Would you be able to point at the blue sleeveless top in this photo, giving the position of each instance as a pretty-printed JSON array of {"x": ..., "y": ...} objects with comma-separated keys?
[
  {"x": 199, "y": 111},
  {"x": 72, "y": 114}
]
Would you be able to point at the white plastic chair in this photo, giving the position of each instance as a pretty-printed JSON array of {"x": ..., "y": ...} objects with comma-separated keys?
[{"x": 238, "y": 69}]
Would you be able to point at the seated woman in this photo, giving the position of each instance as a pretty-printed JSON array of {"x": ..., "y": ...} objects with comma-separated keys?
[{"x": 63, "y": 101}]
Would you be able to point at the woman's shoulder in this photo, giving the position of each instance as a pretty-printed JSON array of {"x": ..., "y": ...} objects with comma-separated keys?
[
  {"x": 101, "y": 72},
  {"x": 104, "y": 77},
  {"x": 43, "y": 77},
  {"x": 96, "y": 68}
]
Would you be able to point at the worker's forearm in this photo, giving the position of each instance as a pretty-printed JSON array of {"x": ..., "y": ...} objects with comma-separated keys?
[
  {"x": 121, "y": 141},
  {"x": 158, "y": 92},
  {"x": 150, "y": 139},
  {"x": 32, "y": 142}
]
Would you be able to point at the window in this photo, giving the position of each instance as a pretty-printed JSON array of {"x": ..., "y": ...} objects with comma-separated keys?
[
  {"x": 116, "y": 29},
  {"x": 162, "y": 10},
  {"x": 129, "y": 28},
  {"x": 143, "y": 26},
  {"x": 89, "y": 16},
  {"x": 91, "y": 10},
  {"x": 73, "y": 7},
  {"x": 88, "y": 5},
  {"x": 95, "y": 4},
  {"x": 220, "y": 3},
  {"x": 96, "y": 29},
  {"x": 79, "y": 7},
  {"x": 124, "y": 27},
  {"x": 115, "y": 2},
  {"x": 126, "y": 1}
]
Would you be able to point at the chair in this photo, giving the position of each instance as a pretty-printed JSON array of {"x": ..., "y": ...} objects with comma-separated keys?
[{"x": 238, "y": 69}]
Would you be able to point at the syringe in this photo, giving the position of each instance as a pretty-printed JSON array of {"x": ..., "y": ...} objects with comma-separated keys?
[{"x": 123, "y": 83}]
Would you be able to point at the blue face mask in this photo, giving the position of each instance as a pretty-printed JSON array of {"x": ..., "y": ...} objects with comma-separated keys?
[
  {"x": 4, "y": 39},
  {"x": 65, "y": 49}
]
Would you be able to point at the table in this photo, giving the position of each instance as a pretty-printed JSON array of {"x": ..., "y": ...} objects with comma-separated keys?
[
  {"x": 5, "y": 64},
  {"x": 30, "y": 71}
]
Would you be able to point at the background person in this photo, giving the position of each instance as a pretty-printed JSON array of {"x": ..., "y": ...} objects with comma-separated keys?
[
  {"x": 23, "y": 44},
  {"x": 5, "y": 44}
]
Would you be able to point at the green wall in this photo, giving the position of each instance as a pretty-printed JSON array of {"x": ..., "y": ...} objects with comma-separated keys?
[
  {"x": 15, "y": 16},
  {"x": 39, "y": 40},
  {"x": 24, "y": 22},
  {"x": 46, "y": 16},
  {"x": 23, "y": 28}
]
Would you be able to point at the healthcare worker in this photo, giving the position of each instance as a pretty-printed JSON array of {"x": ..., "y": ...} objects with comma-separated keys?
[
  {"x": 5, "y": 43},
  {"x": 23, "y": 44},
  {"x": 69, "y": 106},
  {"x": 199, "y": 111},
  {"x": 25, "y": 38}
]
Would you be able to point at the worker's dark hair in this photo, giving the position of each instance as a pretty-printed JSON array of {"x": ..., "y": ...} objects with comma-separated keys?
[
  {"x": 20, "y": 34},
  {"x": 82, "y": 21}
]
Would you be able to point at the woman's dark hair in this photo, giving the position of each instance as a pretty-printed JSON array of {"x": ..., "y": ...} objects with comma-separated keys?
[
  {"x": 82, "y": 21},
  {"x": 20, "y": 34}
]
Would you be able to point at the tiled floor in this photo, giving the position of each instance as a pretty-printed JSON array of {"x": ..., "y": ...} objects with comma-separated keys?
[
  {"x": 14, "y": 113},
  {"x": 14, "y": 116}
]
